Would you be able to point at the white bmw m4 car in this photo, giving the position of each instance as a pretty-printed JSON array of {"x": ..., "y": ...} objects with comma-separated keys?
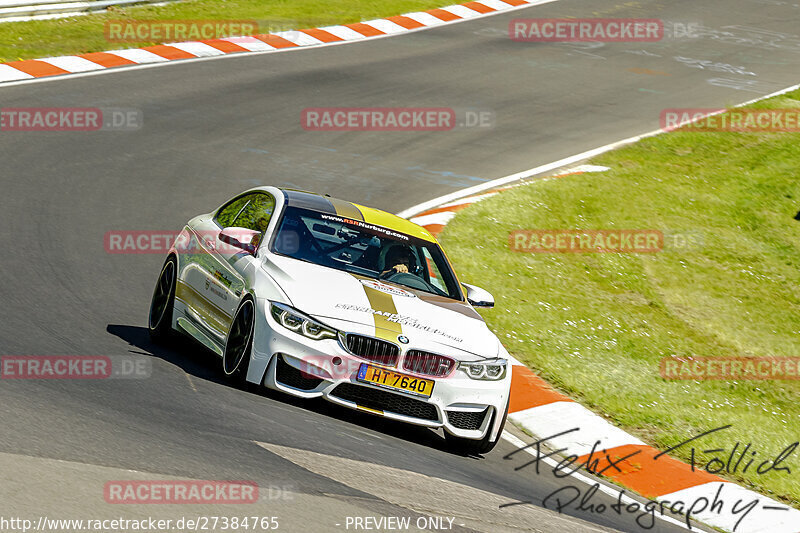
[{"x": 315, "y": 296}]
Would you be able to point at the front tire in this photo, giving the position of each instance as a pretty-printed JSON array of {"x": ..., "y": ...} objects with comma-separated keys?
[
  {"x": 159, "y": 323},
  {"x": 240, "y": 340},
  {"x": 477, "y": 447}
]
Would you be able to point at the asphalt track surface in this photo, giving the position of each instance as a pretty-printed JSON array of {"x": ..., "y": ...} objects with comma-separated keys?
[{"x": 214, "y": 128}]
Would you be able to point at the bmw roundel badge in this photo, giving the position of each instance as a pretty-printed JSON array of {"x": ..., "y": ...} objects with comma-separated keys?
[{"x": 403, "y": 339}]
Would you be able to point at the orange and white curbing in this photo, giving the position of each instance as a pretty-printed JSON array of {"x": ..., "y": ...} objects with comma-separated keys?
[
  {"x": 579, "y": 432},
  {"x": 273, "y": 42}
]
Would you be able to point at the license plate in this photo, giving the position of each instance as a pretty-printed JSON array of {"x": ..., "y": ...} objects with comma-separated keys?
[{"x": 395, "y": 380}]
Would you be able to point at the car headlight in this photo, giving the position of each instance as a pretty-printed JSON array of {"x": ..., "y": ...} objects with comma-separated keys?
[
  {"x": 487, "y": 370},
  {"x": 301, "y": 323}
]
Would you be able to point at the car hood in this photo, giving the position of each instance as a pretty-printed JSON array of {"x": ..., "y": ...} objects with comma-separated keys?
[{"x": 382, "y": 309}]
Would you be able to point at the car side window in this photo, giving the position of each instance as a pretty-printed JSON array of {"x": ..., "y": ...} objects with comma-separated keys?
[
  {"x": 251, "y": 211},
  {"x": 256, "y": 213},
  {"x": 228, "y": 213}
]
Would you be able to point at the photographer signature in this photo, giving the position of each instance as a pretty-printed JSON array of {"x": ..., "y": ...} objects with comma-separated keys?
[{"x": 572, "y": 496}]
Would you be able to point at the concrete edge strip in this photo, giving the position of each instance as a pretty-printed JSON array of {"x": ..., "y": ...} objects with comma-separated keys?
[
  {"x": 30, "y": 70},
  {"x": 538, "y": 408}
]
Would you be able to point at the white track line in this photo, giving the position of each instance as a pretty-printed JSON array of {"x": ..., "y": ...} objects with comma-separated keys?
[
  {"x": 541, "y": 169},
  {"x": 431, "y": 204}
]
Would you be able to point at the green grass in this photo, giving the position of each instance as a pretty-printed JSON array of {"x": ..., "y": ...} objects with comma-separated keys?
[
  {"x": 76, "y": 35},
  {"x": 596, "y": 325}
]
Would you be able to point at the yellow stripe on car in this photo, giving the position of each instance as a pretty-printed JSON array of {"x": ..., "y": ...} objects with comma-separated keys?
[
  {"x": 346, "y": 209},
  {"x": 387, "y": 220},
  {"x": 204, "y": 307},
  {"x": 380, "y": 301}
]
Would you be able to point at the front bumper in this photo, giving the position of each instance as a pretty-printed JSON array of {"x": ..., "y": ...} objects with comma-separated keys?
[{"x": 289, "y": 362}]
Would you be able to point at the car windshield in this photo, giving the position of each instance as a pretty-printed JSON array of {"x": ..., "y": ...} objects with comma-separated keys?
[{"x": 365, "y": 249}]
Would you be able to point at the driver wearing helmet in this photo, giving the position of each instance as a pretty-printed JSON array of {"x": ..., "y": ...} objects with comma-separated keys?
[{"x": 399, "y": 256}]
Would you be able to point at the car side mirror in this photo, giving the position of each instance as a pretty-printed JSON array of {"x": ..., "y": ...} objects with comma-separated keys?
[
  {"x": 478, "y": 297},
  {"x": 240, "y": 238}
]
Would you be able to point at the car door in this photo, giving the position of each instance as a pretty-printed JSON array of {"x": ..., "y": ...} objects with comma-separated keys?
[{"x": 217, "y": 276}]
